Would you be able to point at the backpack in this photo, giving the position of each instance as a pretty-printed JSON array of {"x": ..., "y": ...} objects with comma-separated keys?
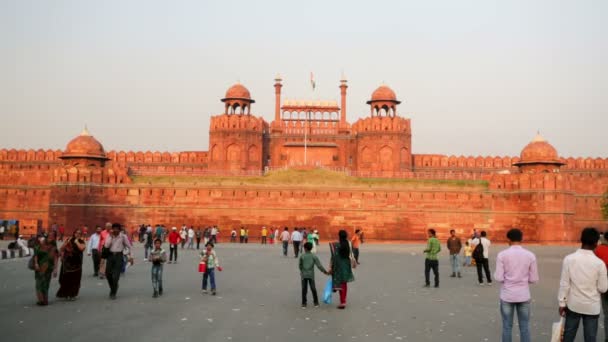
[{"x": 478, "y": 251}]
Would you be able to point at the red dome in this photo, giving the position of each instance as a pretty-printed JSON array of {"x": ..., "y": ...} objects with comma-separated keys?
[
  {"x": 84, "y": 145},
  {"x": 539, "y": 151},
  {"x": 238, "y": 91},
  {"x": 384, "y": 93}
]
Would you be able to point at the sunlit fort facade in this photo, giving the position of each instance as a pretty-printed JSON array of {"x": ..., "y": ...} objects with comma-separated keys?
[{"x": 550, "y": 197}]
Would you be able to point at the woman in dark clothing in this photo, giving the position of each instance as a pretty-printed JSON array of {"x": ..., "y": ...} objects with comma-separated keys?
[
  {"x": 71, "y": 267},
  {"x": 341, "y": 266},
  {"x": 45, "y": 267}
]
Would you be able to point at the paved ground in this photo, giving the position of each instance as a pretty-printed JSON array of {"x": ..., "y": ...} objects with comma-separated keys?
[{"x": 258, "y": 300}]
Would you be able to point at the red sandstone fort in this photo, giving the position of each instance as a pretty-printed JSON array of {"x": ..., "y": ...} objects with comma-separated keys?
[{"x": 549, "y": 196}]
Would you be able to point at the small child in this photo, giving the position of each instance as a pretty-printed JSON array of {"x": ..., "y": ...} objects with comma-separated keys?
[
  {"x": 210, "y": 258},
  {"x": 157, "y": 257},
  {"x": 307, "y": 272},
  {"x": 467, "y": 254}
]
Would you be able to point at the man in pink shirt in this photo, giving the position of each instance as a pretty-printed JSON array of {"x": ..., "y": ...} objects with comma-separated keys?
[{"x": 516, "y": 269}]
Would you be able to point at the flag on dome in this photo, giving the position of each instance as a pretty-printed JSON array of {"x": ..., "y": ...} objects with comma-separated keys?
[{"x": 312, "y": 81}]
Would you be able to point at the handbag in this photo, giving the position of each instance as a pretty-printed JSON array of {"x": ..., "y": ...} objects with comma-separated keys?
[
  {"x": 328, "y": 291},
  {"x": 202, "y": 267},
  {"x": 557, "y": 330}
]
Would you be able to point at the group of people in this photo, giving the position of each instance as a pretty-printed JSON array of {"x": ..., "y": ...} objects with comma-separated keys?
[
  {"x": 110, "y": 249},
  {"x": 583, "y": 286}
]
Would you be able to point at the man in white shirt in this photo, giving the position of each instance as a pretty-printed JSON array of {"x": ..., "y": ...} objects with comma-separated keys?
[
  {"x": 285, "y": 240},
  {"x": 214, "y": 232},
  {"x": 93, "y": 250},
  {"x": 296, "y": 238},
  {"x": 190, "y": 238},
  {"x": 583, "y": 279},
  {"x": 483, "y": 261}
]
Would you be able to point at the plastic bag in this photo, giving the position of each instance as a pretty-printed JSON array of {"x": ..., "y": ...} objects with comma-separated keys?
[
  {"x": 328, "y": 291},
  {"x": 557, "y": 330}
]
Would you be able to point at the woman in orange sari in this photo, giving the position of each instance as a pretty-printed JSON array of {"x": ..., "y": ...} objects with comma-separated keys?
[{"x": 71, "y": 266}]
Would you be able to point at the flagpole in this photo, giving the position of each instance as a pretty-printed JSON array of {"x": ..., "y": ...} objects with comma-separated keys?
[{"x": 305, "y": 132}]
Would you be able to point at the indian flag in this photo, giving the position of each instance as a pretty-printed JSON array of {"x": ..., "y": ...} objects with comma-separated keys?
[{"x": 312, "y": 81}]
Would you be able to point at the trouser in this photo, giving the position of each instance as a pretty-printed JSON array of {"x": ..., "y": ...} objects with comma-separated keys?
[
  {"x": 590, "y": 323},
  {"x": 102, "y": 267},
  {"x": 157, "y": 277},
  {"x": 214, "y": 239},
  {"x": 355, "y": 253},
  {"x": 113, "y": 268},
  {"x": 198, "y": 243},
  {"x": 605, "y": 310},
  {"x": 428, "y": 266},
  {"x": 263, "y": 240},
  {"x": 313, "y": 289},
  {"x": 343, "y": 292},
  {"x": 485, "y": 263},
  {"x": 96, "y": 256},
  {"x": 242, "y": 239},
  {"x": 523, "y": 317},
  {"x": 285, "y": 247},
  {"x": 209, "y": 274},
  {"x": 190, "y": 243},
  {"x": 233, "y": 239},
  {"x": 296, "y": 248},
  {"x": 147, "y": 249},
  {"x": 172, "y": 251},
  {"x": 455, "y": 261},
  {"x": 467, "y": 260},
  {"x": 183, "y": 243}
]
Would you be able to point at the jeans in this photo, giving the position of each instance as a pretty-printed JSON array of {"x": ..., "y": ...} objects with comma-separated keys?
[
  {"x": 428, "y": 265},
  {"x": 157, "y": 277},
  {"x": 285, "y": 246},
  {"x": 467, "y": 260},
  {"x": 190, "y": 243},
  {"x": 590, "y": 323},
  {"x": 523, "y": 317},
  {"x": 296, "y": 248},
  {"x": 313, "y": 289},
  {"x": 96, "y": 260},
  {"x": 485, "y": 263},
  {"x": 209, "y": 273},
  {"x": 147, "y": 249},
  {"x": 198, "y": 243},
  {"x": 355, "y": 254},
  {"x": 172, "y": 251},
  {"x": 455, "y": 261},
  {"x": 114, "y": 265}
]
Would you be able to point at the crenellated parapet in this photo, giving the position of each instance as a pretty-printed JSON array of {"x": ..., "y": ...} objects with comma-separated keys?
[
  {"x": 469, "y": 163},
  {"x": 228, "y": 122},
  {"x": 382, "y": 125},
  {"x": 31, "y": 155}
]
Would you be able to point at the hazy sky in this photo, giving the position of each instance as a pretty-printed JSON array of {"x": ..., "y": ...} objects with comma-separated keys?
[{"x": 475, "y": 77}]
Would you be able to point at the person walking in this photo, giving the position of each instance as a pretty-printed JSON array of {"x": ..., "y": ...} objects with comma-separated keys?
[
  {"x": 285, "y": 240},
  {"x": 158, "y": 257},
  {"x": 209, "y": 257},
  {"x": 516, "y": 269},
  {"x": 355, "y": 241},
  {"x": 342, "y": 262},
  {"x": 174, "y": 239},
  {"x": 582, "y": 281},
  {"x": 191, "y": 238},
  {"x": 264, "y": 235},
  {"x": 214, "y": 232},
  {"x": 307, "y": 264},
  {"x": 45, "y": 266},
  {"x": 296, "y": 239},
  {"x": 117, "y": 243},
  {"x": 93, "y": 250},
  {"x": 183, "y": 235},
  {"x": 102, "y": 240},
  {"x": 276, "y": 235},
  {"x": 481, "y": 254},
  {"x": 602, "y": 252},
  {"x": 454, "y": 246},
  {"x": 242, "y": 235},
  {"x": 71, "y": 267},
  {"x": 431, "y": 262},
  {"x": 198, "y": 236},
  {"x": 148, "y": 245}
]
